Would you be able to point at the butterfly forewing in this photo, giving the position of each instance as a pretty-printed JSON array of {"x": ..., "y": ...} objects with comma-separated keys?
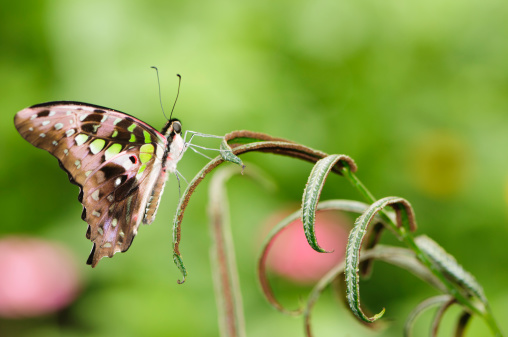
[{"x": 116, "y": 159}]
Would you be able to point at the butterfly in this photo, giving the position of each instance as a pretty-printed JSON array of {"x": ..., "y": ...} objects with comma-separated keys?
[{"x": 120, "y": 164}]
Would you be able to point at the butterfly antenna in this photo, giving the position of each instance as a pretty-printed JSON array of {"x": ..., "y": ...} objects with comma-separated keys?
[
  {"x": 160, "y": 97},
  {"x": 177, "y": 93}
]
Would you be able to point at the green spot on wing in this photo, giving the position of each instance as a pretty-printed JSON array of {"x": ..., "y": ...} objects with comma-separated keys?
[
  {"x": 97, "y": 145},
  {"x": 132, "y": 127},
  {"x": 133, "y": 138},
  {"x": 147, "y": 148},
  {"x": 148, "y": 139},
  {"x": 146, "y": 152},
  {"x": 145, "y": 157},
  {"x": 141, "y": 169},
  {"x": 112, "y": 151},
  {"x": 115, "y": 133}
]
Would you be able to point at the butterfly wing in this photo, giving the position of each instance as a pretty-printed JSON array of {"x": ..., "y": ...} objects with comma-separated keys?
[{"x": 115, "y": 159}]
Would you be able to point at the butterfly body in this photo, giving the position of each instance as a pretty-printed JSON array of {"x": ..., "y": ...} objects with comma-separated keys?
[{"x": 120, "y": 163}]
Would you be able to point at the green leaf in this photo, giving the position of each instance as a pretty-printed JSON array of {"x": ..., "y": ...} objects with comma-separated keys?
[
  {"x": 453, "y": 270},
  {"x": 227, "y": 154},
  {"x": 405, "y": 219},
  {"x": 312, "y": 193},
  {"x": 177, "y": 259}
]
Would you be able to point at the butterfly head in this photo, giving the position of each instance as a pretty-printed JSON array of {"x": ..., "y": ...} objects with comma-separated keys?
[
  {"x": 172, "y": 128},
  {"x": 175, "y": 144}
]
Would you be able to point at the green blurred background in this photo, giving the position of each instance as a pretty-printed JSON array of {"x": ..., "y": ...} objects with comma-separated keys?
[{"x": 415, "y": 92}]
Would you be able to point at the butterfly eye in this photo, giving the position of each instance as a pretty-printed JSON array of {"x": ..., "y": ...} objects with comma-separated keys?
[{"x": 177, "y": 127}]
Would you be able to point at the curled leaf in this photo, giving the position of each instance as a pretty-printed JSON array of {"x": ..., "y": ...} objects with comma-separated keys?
[
  {"x": 453, "y": 270},
  {"x": 257, "y": 141},
  {"x": 312, "y": 193},
  {"x": 439, "y": 316},
  {"x": 177, "y": 259},
  {"x": 372, "y": 239},
  {"x": 422, "y": 307},
  {"x": 343, "y": 205},
  {"x": 397, "y": 256},
  {"x": 236, "y": 138},
  {"x": 227, "y": 154},
  {"x": 405, "y": 219}
]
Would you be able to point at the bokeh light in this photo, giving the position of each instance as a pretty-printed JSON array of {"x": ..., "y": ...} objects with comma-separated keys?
[
  {"x": 291, "y": 256},
  {"x": 37, "y": 277}
]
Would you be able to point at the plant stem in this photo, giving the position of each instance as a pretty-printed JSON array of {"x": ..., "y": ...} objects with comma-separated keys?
[{"x": 489, "y": 318}]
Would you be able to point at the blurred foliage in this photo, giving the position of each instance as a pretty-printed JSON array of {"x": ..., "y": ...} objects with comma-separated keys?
[{"x": 415, "y": 92}]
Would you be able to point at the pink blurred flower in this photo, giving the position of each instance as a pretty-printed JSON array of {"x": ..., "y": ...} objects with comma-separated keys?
[
  {"x": 37, "y": 277},
  {"x": 291, "y": 256}
]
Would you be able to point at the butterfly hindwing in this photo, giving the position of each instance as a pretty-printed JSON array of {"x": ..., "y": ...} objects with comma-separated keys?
[{"x": 116, "y": 160}]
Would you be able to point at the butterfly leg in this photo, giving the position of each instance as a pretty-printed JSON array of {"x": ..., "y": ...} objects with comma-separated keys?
[
  {"x": 178, "y": 174},
  {"x": 200, "y": 153},
  {"x": 199, "y": 134},
  {"x": 193, "y": 147},
  {"x": 179, "y": 189}
]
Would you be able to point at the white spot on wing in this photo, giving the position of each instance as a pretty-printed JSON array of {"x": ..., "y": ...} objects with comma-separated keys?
[
  {"x": 97, "y": 214},
  {"x": 45, "y": 123},
  {"x": 34, "y": 116},
  {"x": 58, "y": 126},
  {"x": 95, "y": 195},
  {"x": 42, "y": 135},
  {"x": 126, "y": 163},
  {"x": 118, "y": 181},
  {"x": 70, "y": 132},
  {"x": 160, "y": 152},
  {"x": 51, "y": 113},
  {"x": 82, "y": 117}
]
